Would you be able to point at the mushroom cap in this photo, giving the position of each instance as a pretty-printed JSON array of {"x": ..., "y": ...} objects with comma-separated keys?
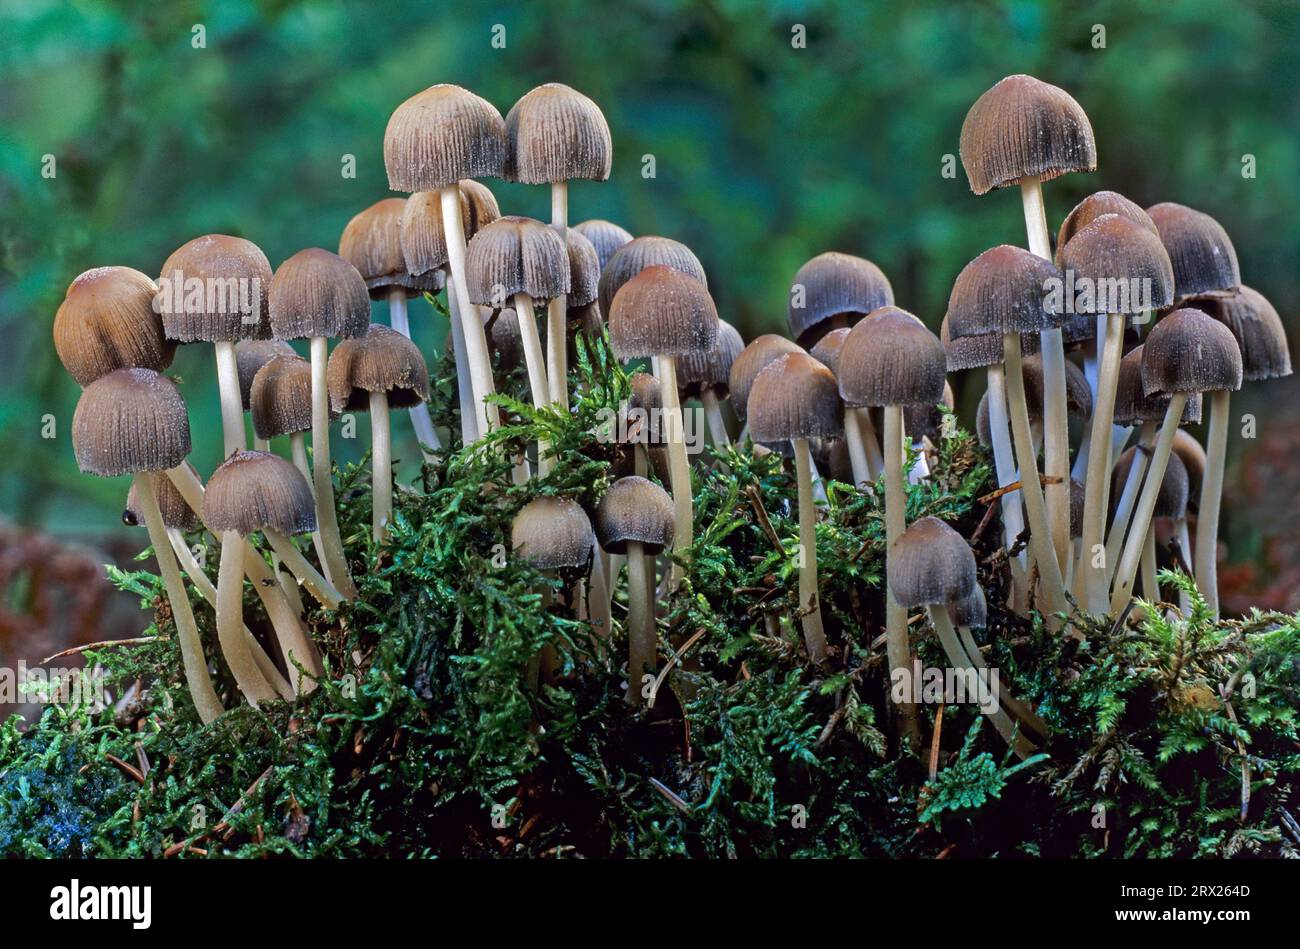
[
  {"x": 646, "y": 394},
  {"x": 828, "y": 348},
  {"x": 712, "y": 369},
  {"x": 372, "y": 243},
  {"x": 280, "y": 398},
  {"x": 1203, "y": 258},
  {"x": 1258, "y": 329},
  {"x": 316, "y": 293},
  {"x": 752, "y": 360},
  {"x": 971, "y": 610},
  {"x": 1093, "y": 207},
  {"x": 1192, "y": 455},
  {"x": 441, "y": 135},
  {"x": 256, "y": 490},
  {"x": 982, "y": 351},
  {"x": 638, "y": 254},
  {"x": 1078, "y": 394},
  {"x": 890, "y": 358},
  {"x": 552, "y": 533},
  {"x": 176, "y": 512},
  {"x": 250, "y": 356},
  {"x": 423, "y": 242},
  {"x": 1003, "y": 290},
  {"x": 634, "y": 509},
  {"x": 1113, "y": 252},
  {"x": 505, "y": 339},
  {"x": 1024, "y": 128},
  {"x": 128, "y": 421},
  {"x": 584, "y": 270},
  {"x": 235, "y": 275},
  {"x": 107, "y": 321},
  {"x": 795, "y": 396},
  {"x": 605, "y": 236},
  {"x": 555, "y": 133},
  {"x": 383, "y": 360},
  {"x": 516, "y": 255},
  {"x": 930, "y": 563},
  {"x": 926, "y": 421},
  {"x": 1132, "y": 404},
  {"x": 834, "y": 284},
  {"x": 1174, "y": 489},
  {"x": 1190, "y": 351},
  {"x": 662, "y": 312}
]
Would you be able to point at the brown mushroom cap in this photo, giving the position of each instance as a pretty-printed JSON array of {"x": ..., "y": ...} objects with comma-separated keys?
[
  {"x": 372, "y": 243},
  {"x": 646, "y": 394},
  {"x": 1133, "y": 406},
  {"x": 1192, "y": 455},
  {"x": 423, "y": 243},
  {"x": 1174, "y": 489},
  {"x": 1024, "y": 128},
  {"x": 128, "y": 421},
  {"x": 834, "y": 284},
  {"x": 752, "y": 360},
  {"x": 441, "y": 135},
  {"x": 555, "y": 133},
  {"x": 256, "y": 490},
  {"x": 605, "y": 236},
  {"x": 383, "y": 360},
  {"x": 1203, "y": 258},
  {"x": 1114, "y": 251},
  {"x": 1258, "y": 329},
  {"x": 1093, "y": 207},
  {"x": 634, "y": 509},
  {"x": 1189, "y": 351},
  {"x": 930, "y": 564},
  {"x": 828, "y": 348},
  {"x": 638, "y": 254},
  {"x": 795, "y": 396},
  {"x": 1003, "y": 290},
  {"x": 234, "y": 272},
  {"x": 552, "y": 533},
  {"x": 250, "y": 356},
  {"x": 662, "y": 312},
  {"x": 584, "y": 270},
  {"x": 712, "y": 369},
  {"x": 107, "y": 321},
  {"x": 890, "y": 358},
  {"x": 1078, "y": 395},
  {"x": 926, "y": 421},
  {"x": 280, "y": 397},
  {"x": 316, "y": 293},
  {"x": 971, "y": 610},
  {"x": 176, "y": 512},
  {"x": 980, "y": 352},
  {"x": 516, "y": 255},
  {"x": 505, "y": 339}
]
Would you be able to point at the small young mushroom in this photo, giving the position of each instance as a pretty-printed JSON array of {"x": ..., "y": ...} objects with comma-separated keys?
[
  {"x": 638, "y": 254},
  {"x": 834, "y": 291},
  {"x": 605, "y": 236},
  {"x": 752, "y": 360},
  {"x": 107, "y": 322},
  {"x": 706, "y": 375},
  {"x": 635, "y": 519},
  {"x": 861, "y": 443},
  {"x": 796, "y": 399},
  {"x": 250, "y": 356}
]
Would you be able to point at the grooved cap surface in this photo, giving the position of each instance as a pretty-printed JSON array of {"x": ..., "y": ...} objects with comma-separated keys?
[
  {"x": 1189, "y": 351},
  {"x": 233, "y": 277},
  {"x": 1126, "y": 264},
  {"x": 605, "y": 236},
  {"x": 555, "y": 133},
  {"x": 280, "y": 398},
  {"x": 255, "y": 490},
  {"x": 250, "y": 356},
  {"x": 107, "y": 321},
  {"x": 372, "y": 243},
  {"x": 833, "y": 284},
  {"x": 982, "y": 351},
  {"x": 638, "y": 254},
  {"x": 1265, "y": 353},
  {"x": 130, "y": 420},
  {"x": 1003, "y": 290},
  {"x": 1093, "y": 207},
  {"x": 383, "y": 360},
  {"x": 890, "y": 358},
  {"x": 441, "y": 135},
  {"x": 712, "y": 369},
  {"x": 552, "y": 533},
  {"x": 662, "y": 312},
  {"x": 1134, "y": 406},
  {"x": 795, "y": 396},
  {"x": 752, "y": 360},
  {"x": 516, "y": 255},
  {"x": 423, "y": 241},
  {"x": 634, "y": 509},
  {"x": 316, "y": 293},
  {"x": 929, "y": 564},
  {"x": 176, "y": 513},
  {"x": 1203, "y": 257}
]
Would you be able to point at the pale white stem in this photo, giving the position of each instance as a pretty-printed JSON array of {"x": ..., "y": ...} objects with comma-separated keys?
[
  {"x": 1004, "y": 464},
  {"x": 261, "y": 444},
  {"x": 486, "y": 415},
  {"x": 641, "y": 650},
  {"x": 420, "y": 418},
  {"x": 870, "y": 444},
  {"x": 598, "y": 597},
  {"x": 538, "y": 384},
  {"x": 301, "y": 568},
  {"x": 678, "y": 465},
  {"x": 1185, "y": 548},
  {"x": 335, "y": 562},
  {"x": 921, "y": 469},
  {"x": 298, "y": 448},
  {"x": 818, "y": 485},
  {"x": 232, "y": 408},
  {"x": 464, "y": 388},
  {"x": 1096, "y": 499},
  {"x": 1128, "y": 498},
  {"x": 381, "y": 466},
  {"x": 1206, "y": 567},
  {"x": 230, "y": 622},
  {"x": 898, "y": 650},
  {"x": 857, "y": 447},
  {"x": 1150, "y": 588},
  {"x": 713, "y": 415},
  {"x": 557, "y": 311},
  {"x": 814, "y": 635}
]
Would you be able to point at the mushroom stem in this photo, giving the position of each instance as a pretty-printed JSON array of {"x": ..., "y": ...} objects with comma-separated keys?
[
  {"x": 298, "y": 448},
  {"x": 897, "y": 648},
  {"x": 486, "y": 414},
  {"x": 420, "y": 419},
  {"x": 1004, "y": 462},
  {"x": 862, "y": 473},
  {"x": 193, "y": 662},
  {"x": 1128, "y": 497},
  {"x": 557, "y": 311},
  {"x": 1125, "y": 572},
  {"x": 464, "y": 388},
  {"x": 381, "y": 466},
  {"x": 678, "y": 465},
  {"x": 1206, "y": 567},
  {"x": 232, "y": 408},
  {"x": 814, "y": 636},
  {"x": 598, "y": 598},
  {"x": 538, "y": 383},
  {"x": 301, "y": 568},
  {"x": 1150, "y": 588},
  {"x": 713, "y": 415},
  {"x": 870, "y": 444},
  {"x": 640, "y": 621},
  {"x": 1092, "y": 579},
  {"x": 1185, "y": 547},
  {"x": 335, "y": 562},
  {"x": 230, "y": 622}
]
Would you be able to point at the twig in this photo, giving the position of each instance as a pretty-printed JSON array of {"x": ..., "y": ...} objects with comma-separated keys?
[
  {"x": 1016, "y": 486},
  {"x": 130, "y": 769},
  {"x": 934, "y": 741},
  {"x": 668, "y": 666},
  {"x": 107, "y": 642},
  {"x": 673, "y": 798},
  {"x": 756, "y": 502}
]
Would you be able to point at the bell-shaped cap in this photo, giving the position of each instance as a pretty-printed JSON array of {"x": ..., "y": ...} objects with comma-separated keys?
[
  {"x": 584, "y": 270},
  {"x": 1133, "y": 405},
  {"x": 423, "y": 242},
  {"x": 1260, "y": 334},
  {"x": 1126, "y": 264},
  {"x": 1093, "y": 207},
  {"x": 280, "y": 397},
  {"x": 128, "y": 421},
  {"x": 250, "y": 356},
  {"x": 383, "y": 360},
  {"x": 930, "y": 564},
  {"x": 316, "y": 293},
  {"x": 828, "y": 348},
  {"x": 1190, "y": 351},
  {"x": 1024, "y": 128},
  {"x": 1192, "y": 455},
  {"x": 890, "y": 358},
  {"x": 605, "y": 236},
  {"x": 552, "y": 533},
  {"x": 516, "y": 255},
  {"x": 504, "y": 336},
  {"x": 257, "y": 490},
  {"x": 372, "y": 243},
  {"x": 982, "y": 351},
  {"x": 1174, "y": 489},
  {"x": 634, "y": 509},
  {"x": 795, "y": 396},
  {"x": 662, "y": 312},
  {"x": 1078, "y": 394},
  {"x": 107, "y": 321},
  {"x": 1204, "y": 260},
  {"x": 554, "y": 133},
  {"x": 712, "y": 369},
  {"x": 641, "y": 426},
  {"x": 926, "y": 421},
  {"x": 175, "y": 510},
  {"x": 834, "y": 284},
  {"x": 441, "y": 135},
  {"x": 971, "y": 610},
  {"x": 215, "y": 289},
  {"x": 1006, "y": 289},
  {"x": 752, "y": 360},
  {"x": 638, "y": 254}
]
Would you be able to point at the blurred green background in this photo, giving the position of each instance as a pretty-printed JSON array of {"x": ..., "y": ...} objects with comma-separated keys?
[{"x": 765, "y": 154}]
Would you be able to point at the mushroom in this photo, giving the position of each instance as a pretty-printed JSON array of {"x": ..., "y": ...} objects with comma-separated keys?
[
  {"x": 1203, "y": 258},
  {"x": 834, "y": 291},
  {"x": 605, "y": 236},
  {"x": 1187, "y": 352},
  {"x": 555, "y": 134},
  {"x": 706, "y": 375},
  {"x": 229, "y": 277},
  {"x": 374, "y": 372},
  {"x": 752, "y": 360},
  {"x": 664, "y": 313},
  {"x": 796, "y": 399},
  {"x": 433, "y": 140},
  {"x": 635, "y": 519},
  {"x": 1023, "y": 132},
  {"x": 1171, "y": 502},
  {"x": 107, "y": 322},
  {"x": 133, "y": 421},
  {"x": 316, "y": 295},
  {"x": 863, "y": 446},
  {"x": 584, "y": 290},
  {"x": 250, "y": 356},
  {"x": 1093, "y": 207},
  {"x": 638, "y": 254}
]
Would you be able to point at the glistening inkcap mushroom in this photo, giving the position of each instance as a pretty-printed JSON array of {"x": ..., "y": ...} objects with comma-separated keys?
[
  {"x": 831, "y": 291},
  {"x": 106, "y": 322}
]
